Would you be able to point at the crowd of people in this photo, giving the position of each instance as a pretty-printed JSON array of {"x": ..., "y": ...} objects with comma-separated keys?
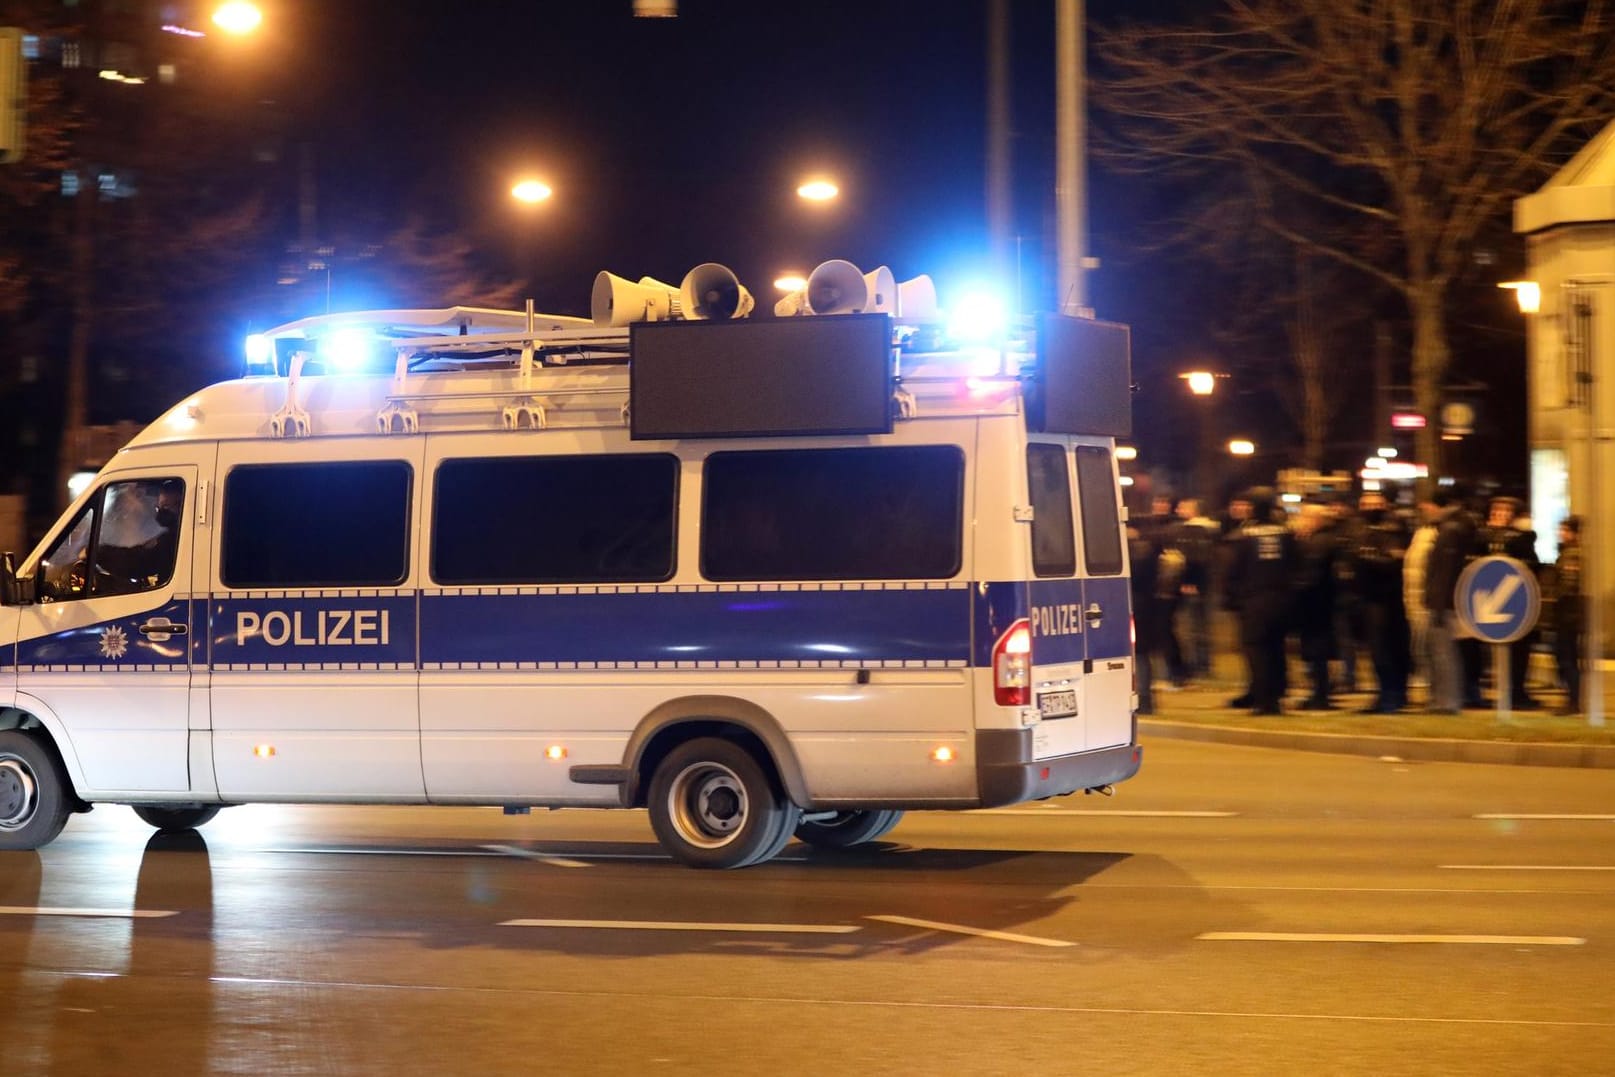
[{"x": 1336, "y": 584}]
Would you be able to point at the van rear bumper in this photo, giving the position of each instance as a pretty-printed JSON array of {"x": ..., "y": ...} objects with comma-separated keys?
[{"x": 1006, "y": 773}]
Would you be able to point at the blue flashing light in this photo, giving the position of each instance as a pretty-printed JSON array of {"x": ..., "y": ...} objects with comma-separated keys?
[
  {"x": 978, "y": 318},
  {"x": 260, "y": 352},
  {"x": 347, "y": 350}
]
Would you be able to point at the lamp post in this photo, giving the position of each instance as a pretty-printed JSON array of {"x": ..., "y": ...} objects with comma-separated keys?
[{"x": 1203, "y": 384}]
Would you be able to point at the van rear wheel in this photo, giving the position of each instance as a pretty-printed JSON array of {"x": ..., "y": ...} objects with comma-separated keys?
[
  {"x": 33, "y": 792},
  {"x": 176, "y": 816},
  {"x": 845, "y": 829},
  {"x": 713, "y": 805}
]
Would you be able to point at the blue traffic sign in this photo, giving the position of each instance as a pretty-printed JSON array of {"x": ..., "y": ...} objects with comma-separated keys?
[{"x": 1498, "y": 599}]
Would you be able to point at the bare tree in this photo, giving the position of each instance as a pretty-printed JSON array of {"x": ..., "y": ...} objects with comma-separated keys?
[{"x": 1386, "y": 135}]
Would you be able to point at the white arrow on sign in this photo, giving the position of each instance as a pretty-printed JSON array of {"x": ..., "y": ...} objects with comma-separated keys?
[{"x": 1489, "y": 604}]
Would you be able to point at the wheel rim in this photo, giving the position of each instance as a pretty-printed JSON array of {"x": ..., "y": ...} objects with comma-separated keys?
[
  {"x": 707, "y": 803},
  {"x": 19, "y": 793}
]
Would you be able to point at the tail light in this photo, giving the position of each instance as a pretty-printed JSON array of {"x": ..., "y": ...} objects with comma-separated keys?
[
  {"x": 1132, "y": 641},
  {"x": 1012, "y": 666}
]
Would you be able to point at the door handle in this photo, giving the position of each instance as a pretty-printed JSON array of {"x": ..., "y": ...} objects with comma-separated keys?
[
  {"x": 1093, "y": 613},
  {"x": 163, "y": 628}
]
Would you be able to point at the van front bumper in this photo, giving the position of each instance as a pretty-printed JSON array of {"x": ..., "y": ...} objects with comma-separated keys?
[{"x": 1006, "y": 773}]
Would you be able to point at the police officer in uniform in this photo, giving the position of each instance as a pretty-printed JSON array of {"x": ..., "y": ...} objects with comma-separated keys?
[
  {"x": 1261, "y": 572},
  {"x": 1380, "y": 542}
]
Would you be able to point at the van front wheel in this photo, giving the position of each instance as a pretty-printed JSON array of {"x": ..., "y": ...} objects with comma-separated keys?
[
  {"x": 33, "y": 792},
  {"x": 175, "y": 817},
  {"x": 712, "y": 805},
  {"x": 845, "y": 829}
]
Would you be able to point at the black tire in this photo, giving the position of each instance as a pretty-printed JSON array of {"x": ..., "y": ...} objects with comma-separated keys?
[
  {"x": 713, "y": 805},
  {"x": 34, "y": 796},
  {"x": 176, "y": 816},
  {"x": 847, "y": 828}
]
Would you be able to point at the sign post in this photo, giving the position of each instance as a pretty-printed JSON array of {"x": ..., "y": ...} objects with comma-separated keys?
[{"x": 1498, "y": 601}]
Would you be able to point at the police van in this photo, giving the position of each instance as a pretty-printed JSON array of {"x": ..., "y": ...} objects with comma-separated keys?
[{"x": 762, "y": 576}]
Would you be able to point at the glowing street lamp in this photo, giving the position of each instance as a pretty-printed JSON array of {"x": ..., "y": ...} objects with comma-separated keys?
[
  {"x": 1242, "y": 447},
  {"x": 531, "y": 191},
  {"x": 1201, "y": 382},
  {"x": 238, "y": 17},
  {"x": 818, "y": 190},
  {"x": 1528, "y": 293}
]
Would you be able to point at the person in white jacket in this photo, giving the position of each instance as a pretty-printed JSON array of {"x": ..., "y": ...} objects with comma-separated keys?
[{"x": 1413, "y": 566}]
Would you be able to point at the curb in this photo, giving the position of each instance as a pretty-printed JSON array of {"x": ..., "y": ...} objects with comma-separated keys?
[{"x": 1423, "y": 749}]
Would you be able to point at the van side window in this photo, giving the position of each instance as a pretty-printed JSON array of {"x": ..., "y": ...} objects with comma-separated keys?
[
  {"x": 1101, "y": 522},
  {"x": 1054, "y": 543},
  {"x": 554, "y": 519},
  {"x": 123, "y": 543},
  {"x": 342, "y": 524},
  {"x": 833, "y": 514}
]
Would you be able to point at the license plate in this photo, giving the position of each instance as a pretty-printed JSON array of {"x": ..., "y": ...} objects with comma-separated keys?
[{"x": 1060, "y": 704}]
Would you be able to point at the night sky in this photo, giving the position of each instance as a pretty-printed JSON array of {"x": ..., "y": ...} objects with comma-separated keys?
[{"x": 673, "y": 142}]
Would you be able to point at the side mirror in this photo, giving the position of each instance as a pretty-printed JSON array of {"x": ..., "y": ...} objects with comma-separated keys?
[{"x": 15, "y": 591}]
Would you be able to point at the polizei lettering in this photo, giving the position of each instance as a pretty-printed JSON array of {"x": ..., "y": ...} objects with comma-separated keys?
[
  {"x": 1062, "y": 620},
  {"x": 322, "y": 628}
]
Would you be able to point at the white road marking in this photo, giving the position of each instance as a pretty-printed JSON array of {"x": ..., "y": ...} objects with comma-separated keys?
[
  {"x": 489, "y": 850},
  {"x": 684, "y": 925},
  {"x": 1462, "y": 940},
  {"x": 795, "y": 1003},
  {"x": 1526, "y": 867},
  {"x": 112, "y": 914},
  {"x": 337, "y": 850},
  {"x": 528, "y": 854},
  {"x": 960, "y": 929},
  {"x": 1100, "y": 811},
  {"x": 1549, "y": 815}
]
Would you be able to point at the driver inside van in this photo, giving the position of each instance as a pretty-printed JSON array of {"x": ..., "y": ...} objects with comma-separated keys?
[{"x": 140, "y": 536}]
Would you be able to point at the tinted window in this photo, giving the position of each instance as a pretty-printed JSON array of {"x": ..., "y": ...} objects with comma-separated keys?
[
  {"x": 552, "y": 519},
  {"x": 317, "y": 525},
  {"x": 833, "y": 514},
  {"x": 1054, "y": 544},
  {"x": 1101, "y": 523}
]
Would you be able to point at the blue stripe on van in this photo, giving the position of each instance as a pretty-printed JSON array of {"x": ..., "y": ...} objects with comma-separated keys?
[
  {"x": 114, "y": 644},
  {"x": 1058, "y": 626},
  {"x": 1113, "y": 638},
  {"x": 852, "y": 626},
  {"x": 846, "y": 626}
]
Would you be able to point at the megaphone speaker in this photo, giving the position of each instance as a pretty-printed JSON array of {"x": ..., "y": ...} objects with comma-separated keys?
[
  {"x": 616, "y": 302},
  {"x": 836, "y": 287},
  {"x": 713, "y": 291},
  {"x": 880, "y": 288},
  {"x": 916, "y": 299}
]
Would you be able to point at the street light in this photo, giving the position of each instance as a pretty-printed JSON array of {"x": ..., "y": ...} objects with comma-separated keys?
[
  {"x": 237, "y": 17},
  {"x": 1242, "y": 447},
  {"x": 818, "y": 190},
  {"x": 531, "y": 191},
  {"x": 1527, "y": 293}
]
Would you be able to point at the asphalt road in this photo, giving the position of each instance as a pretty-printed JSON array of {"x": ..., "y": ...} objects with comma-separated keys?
[{"x": 1232, "y": 910}]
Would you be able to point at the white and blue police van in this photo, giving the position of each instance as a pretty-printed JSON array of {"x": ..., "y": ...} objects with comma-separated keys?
[{"x": 762, "y": 576}]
